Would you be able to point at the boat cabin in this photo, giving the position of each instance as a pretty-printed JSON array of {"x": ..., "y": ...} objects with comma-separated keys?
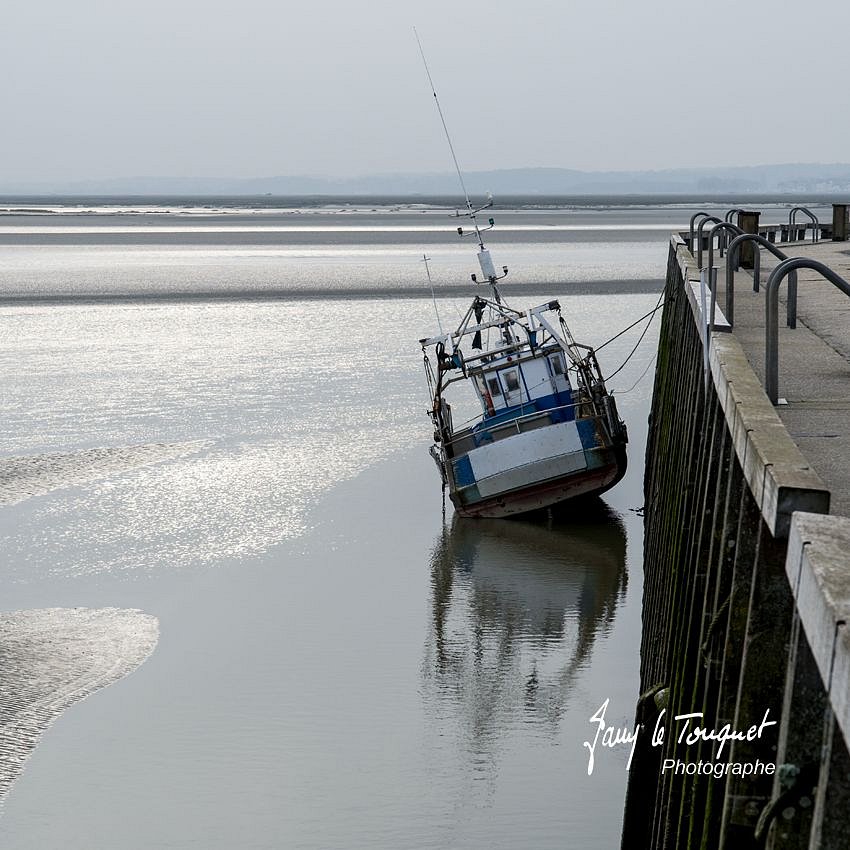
[{"x": 522, "y": 382}]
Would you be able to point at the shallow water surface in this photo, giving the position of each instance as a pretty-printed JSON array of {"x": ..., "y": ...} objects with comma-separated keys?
[{"x": 339, "y": 665}]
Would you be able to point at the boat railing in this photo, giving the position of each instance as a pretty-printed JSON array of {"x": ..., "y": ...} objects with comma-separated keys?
[{"x": 517, "y": 425}]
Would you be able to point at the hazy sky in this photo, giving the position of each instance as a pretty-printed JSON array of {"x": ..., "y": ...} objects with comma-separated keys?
[{"x": 255, "y": 88}]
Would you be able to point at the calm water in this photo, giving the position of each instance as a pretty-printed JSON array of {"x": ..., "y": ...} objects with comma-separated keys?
[{"x": 336, "y": 665}]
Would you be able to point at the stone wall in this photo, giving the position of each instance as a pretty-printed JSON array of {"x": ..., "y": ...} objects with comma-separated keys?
[{"x": 721, "y": 632}]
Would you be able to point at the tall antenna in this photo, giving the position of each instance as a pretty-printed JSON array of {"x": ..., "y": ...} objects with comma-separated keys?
[
  {"x": 425, "y": 259},
  {"x": 446, "y": 130},
  {"x": 484, "y": 259}
]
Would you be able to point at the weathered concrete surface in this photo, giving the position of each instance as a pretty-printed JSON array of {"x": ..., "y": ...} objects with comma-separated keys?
[
  {"x": 780, "y": 477},
  {"x": 818, "y": 567},
  {"x": 747, "y": 579},
  {"x": 814, "y": 360}
]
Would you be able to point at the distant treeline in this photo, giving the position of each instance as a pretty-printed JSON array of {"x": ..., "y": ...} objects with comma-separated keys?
[{"x": 791, "y": 179}]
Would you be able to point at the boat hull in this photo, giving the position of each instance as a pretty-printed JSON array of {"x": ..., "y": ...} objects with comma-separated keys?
[
  {"x": 546, "y": 493},
  {"x": 518, "y": 470}
]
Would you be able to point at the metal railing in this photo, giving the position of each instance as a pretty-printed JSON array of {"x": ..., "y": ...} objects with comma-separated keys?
[
  {"x": 691, "y": 230},
  {"x": 515, "y": 422},
  {"x": 724, "y": 227},
  {"x": 792, "y": 221},
  {"x": 730, "y": 214},
  {"x": 731, "y": 265},
  {"x": 700, "y": 227},
  {"x": 771, "y": 332}
]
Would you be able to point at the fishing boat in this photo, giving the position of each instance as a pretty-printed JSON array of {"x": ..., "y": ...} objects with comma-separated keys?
[{"x": 548, "y": 430}]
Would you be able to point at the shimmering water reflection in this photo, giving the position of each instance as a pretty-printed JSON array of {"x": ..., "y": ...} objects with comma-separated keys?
[
  {"x": 336, "y": 667},
  {"x": 517, "y": 606}
]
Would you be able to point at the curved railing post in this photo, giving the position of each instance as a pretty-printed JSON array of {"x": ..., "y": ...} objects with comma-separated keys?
[
  {"x": 723, "y": 227},
  {"x": 771, "y": 314},
  {"x": 756, "y": 268},
  {"x": 791, "y": 301},
  {"x": 792, "y": 221},
  {"x": 702, "y": 224},
  {"x": 732, "y": 261},
  {"x": 694, "y": 217},
  {"x": 730, "y": 214}
]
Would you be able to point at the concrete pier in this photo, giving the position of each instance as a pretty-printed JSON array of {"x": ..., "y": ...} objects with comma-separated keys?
[{"x": 747, "y": 570}]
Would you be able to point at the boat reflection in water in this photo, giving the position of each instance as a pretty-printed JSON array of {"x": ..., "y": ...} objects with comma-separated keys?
[{"x": 516, "y": 609}]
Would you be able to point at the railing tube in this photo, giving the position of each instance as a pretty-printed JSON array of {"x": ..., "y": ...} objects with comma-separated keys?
[
  {"x": 771, "y": 320},
  {"x": 731, "y": 262},
  {"x": 724, "y": 239},
  {"x": 702, "y": 224},
  {"x": 724, "y": 227},
  {"x": 691, "y": 228},
  {"x": 791, "y": 305},
  {"x": 792, "y": 221}
]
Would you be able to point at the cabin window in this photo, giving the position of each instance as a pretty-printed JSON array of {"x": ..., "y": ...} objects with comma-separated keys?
[
  {"x": 557, "y": 364},
  {"x": 511, "y": 380},
  {"x": 495, "y": 389}
]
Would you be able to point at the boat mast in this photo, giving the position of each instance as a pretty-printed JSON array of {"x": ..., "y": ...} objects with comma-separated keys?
[{"x": 485, "y": 261}]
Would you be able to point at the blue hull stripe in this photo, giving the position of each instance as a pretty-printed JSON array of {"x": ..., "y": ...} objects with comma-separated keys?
[
  {"x": 587, "y": 433},
  {"x": 464, "y": 476},
  {"x": 481, "y": 433}
]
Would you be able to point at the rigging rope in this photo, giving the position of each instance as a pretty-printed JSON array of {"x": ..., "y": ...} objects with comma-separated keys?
[
  {"x": 651, "y": 315},
  {"x": 636, "y": 322},
  {"x": 642, "y": 376}
]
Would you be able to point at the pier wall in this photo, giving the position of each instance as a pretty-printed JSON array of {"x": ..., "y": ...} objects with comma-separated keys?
[{"x": 745, "y": 598}]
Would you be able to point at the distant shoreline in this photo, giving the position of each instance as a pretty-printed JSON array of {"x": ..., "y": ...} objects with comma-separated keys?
[
  {"x": 34, "y": 204},
  {"x": 791, "y": 179}
]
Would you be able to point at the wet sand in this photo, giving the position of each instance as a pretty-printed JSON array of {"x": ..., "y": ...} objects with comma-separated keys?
[
  {"x": 25, "y": 476},
  {"x": 52, "y": 658}
]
